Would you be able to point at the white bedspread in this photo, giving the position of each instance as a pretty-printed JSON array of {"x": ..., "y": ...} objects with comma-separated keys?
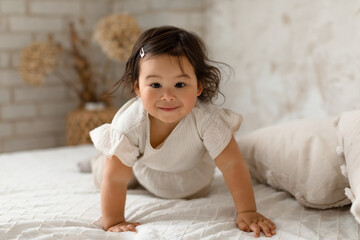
[{"x": 43, "y": 196}]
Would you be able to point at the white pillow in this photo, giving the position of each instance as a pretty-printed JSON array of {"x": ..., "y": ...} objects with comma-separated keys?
[
  {"x": 348, "y": 129},
  {"x": 298, "y": 157}
]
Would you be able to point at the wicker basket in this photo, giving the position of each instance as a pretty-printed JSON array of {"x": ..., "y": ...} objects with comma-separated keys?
[{"x": 81, "y": 121}]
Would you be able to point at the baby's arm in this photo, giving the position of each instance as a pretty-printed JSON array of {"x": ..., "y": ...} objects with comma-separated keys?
[
  {"x": 237, "y": 178},
  {"x": 113, "y": 196}
]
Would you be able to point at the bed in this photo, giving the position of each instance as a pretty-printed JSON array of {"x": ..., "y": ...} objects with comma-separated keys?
[{"x": 44, "y": 196}]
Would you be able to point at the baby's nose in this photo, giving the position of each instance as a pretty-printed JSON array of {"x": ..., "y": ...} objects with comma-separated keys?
[{"x": 168, "y": 95}]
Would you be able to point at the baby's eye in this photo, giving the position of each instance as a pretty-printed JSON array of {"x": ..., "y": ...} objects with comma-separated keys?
[
  {"x": 156, "y": 85},
  {"x": 180, "y": 85}
]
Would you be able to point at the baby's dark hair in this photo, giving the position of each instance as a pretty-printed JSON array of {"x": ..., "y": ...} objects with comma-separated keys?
[{"x": 175, "y": 42}]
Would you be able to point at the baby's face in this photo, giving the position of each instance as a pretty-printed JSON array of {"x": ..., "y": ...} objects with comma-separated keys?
[{"x": 167, "y": 90}]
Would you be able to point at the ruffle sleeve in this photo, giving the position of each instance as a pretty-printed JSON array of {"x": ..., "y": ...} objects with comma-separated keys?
[
  {"x": 113, "y": 143},
  {"x": 217, "y": 132}
]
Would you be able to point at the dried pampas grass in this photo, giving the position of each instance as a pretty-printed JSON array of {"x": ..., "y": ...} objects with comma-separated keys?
[
  {"x": 116, "y": 34},
  {"x": 37, "y": 60}
]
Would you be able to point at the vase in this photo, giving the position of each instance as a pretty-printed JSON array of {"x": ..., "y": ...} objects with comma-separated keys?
[{"x": 94, "y": 106}]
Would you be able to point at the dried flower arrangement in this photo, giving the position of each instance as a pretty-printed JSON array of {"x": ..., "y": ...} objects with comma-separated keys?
[
  {"x": 39, "y": 59},
  {"x": 116, "y": 35}
]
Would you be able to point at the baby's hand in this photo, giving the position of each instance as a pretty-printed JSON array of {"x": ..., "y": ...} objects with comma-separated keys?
[
  {"x": 124, "y": 227},
  {"x": 255, "y": 222}
]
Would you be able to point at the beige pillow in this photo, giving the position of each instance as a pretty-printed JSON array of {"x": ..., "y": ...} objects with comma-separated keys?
[
  {"x": 298, "y": 157},
  {"x": 348, "y": 129}
]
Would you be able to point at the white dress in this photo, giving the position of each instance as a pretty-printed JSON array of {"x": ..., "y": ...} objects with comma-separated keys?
[{"x": 183, "y": 164}]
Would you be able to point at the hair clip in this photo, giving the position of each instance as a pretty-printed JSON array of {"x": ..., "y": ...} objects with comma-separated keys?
[{"x": 142, "y": 52}]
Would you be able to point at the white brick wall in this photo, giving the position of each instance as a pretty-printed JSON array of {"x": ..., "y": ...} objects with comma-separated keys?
[
  {"x": 176, "y": 5},
  {"x": 4, "y": 60},
  {"x": 18, "y": 111},
  {"x": 33, "y": 24},
  {"x": 55, "y": 7},
  {"x": 14, "y": 41},
  {"x": 39, "y": 126},
  {"x": 12, "y": 6},
  {"x": 5, "y": 95},
  {"x": 149, "y": 20},
  {"x": 35, "y": 117},
  {"x": 131, "y": 6},
  {"x": 54, "y": 109},
  {"x": 40, "y": 94},
  {"x": 96, "y": 8},
  {"x": 151, "y": 13},
  {"x": 6, "y": 130},
  {"x": 26, "y": 143},
  {"x": 10, "y": 78}
]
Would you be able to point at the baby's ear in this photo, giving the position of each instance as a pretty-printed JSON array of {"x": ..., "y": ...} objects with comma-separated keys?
[
  {"x": 136, "y": 88},
  {"x": 200, "y": 88}
]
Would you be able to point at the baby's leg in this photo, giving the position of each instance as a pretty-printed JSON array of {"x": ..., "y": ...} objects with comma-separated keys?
[
  {"x": 97, "y": 167},
  {"x": 202, "y": 193}
]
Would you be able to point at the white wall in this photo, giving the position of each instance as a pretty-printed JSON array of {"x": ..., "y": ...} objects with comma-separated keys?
[{"x": 292, "y": 59}]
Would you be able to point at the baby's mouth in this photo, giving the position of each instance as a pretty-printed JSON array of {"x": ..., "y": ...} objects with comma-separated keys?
[{"x": 168, "y": 109}]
